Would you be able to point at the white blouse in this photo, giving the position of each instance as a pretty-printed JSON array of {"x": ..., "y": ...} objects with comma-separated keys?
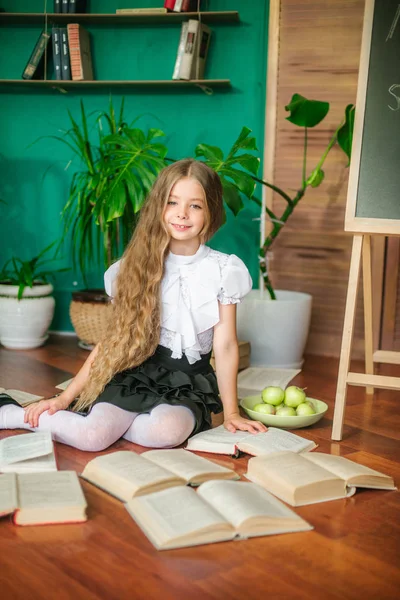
[{"x": 191, "y": 288}]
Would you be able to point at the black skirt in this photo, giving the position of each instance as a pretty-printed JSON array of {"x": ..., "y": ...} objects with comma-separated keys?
[{"x": 165, "y": 380}]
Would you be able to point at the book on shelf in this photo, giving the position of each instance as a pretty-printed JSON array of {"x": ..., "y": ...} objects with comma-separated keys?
[
  {"x": 125, "y": 474},
  {"x": 35, "y": 67},
  {"x": 23, "y": 398},
  {"x": 80, "y": 54},
  {"x": 180, "y": 52},
  {"x": 200, "y": 57},
  {"x": 221, "y": 441},
  {"x": 138, "y": 11},
  {"x": 27, "y": 453},
  {"x": 317, "y": 477},
  {"x": 42, "y": 498},
  {"x": 219, "y": 511},
  {"x": 77, "y": 6},
  {"x": 65, "y": 6},
  {"x": 56, "y": 41},
  {"x": 187, "y": 66},
  {"x": 57, "y": 6},
  {"x": 181, "y": 5},
  {"x": 253, "y": 380},
  {"x": 65, "y": 59}
]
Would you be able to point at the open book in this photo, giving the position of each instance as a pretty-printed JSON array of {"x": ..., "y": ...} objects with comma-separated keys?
[
  {"x": 310, "y": 478},
  {"x": 42, "y": 498},
  {"x": 23, "y": 398},
  {"x": 125, "y": 474},
  {"x": 254, "y": 379},
  {"x": 27, "y": 453},
  {"x": 219, "y": 511},
  {"x": 221, "y": 441}
]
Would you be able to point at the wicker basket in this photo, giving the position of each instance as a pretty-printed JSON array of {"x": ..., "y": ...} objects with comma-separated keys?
[{"x": 90, "y": 316}]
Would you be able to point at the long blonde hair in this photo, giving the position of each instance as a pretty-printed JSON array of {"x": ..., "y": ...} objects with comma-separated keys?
[{"x": 133, "y": 331}]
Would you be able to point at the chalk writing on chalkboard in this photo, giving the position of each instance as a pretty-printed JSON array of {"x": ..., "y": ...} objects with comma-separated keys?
[
  {"x": 395, "y": 87},
  {"x": 394, "y": 23}
]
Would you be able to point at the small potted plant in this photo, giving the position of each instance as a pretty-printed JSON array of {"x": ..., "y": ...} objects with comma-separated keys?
[{"x": 26, "y": 301}]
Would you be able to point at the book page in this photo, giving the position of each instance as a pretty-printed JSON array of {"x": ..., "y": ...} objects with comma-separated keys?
[
  {"x": 21, "y": 447},
  {"x": 216, "y": 439},
  {"x": 186, "y": 465},
  {"x": 127, "y": 467},
  {"x": 238, "y": 501},
  {"x": 63, "y": 386},
  {"x": 23, "y": 398},
  {"x": 255, "y": 379},
  {"x": 275, "y": 440},
  {"x": 8, "y": 493},
  {"x": 32, "y": 465},
  {"x": 343, "y": 467},
  {"x": 50, "y": 490},
  {"x": 289, "y": 469},
  {"x": 173, "y": 513}
]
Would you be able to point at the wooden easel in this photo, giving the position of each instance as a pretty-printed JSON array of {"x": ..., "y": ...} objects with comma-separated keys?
[
  {"x": 362, "y": 217},
  {"x": 361, "y": 250}
]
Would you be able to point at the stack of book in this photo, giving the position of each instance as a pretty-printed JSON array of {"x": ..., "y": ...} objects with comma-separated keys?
[
  {"x": 70, "y": 48},
  {"x": 244, "y": 356},
  {"x": 69, "y": 6},
  {"x": 192, "y": 51},
  {"x": 31, "y": 487}
]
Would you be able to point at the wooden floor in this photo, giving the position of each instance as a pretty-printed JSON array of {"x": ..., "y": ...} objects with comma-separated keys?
[{"x": 353, "y": 552}]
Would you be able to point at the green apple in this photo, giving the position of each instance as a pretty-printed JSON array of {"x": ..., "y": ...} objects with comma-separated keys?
[
  {"x": 285, "y": 411},
  {"x": 273, "y": 395},
  {"x": 265, "y": 409},
  {"x": 305, "y": 409},
  {"x": 294, "y": 396}
]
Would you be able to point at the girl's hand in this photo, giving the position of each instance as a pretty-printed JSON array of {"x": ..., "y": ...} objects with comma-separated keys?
[
  {"x": 34, "y": 410},
  {"x": 236, "y": 422}
]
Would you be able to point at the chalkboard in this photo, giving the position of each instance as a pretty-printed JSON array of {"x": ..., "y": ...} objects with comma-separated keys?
[{"x": 373, "y": 202}]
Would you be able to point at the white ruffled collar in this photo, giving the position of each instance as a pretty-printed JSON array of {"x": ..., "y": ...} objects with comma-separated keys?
[
  {"x": 203, "y": 281},
  {"x": 180, "y": 259}
]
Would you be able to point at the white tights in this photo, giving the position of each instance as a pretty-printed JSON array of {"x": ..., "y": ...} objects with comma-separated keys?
[{"x": 165, "y": 426}]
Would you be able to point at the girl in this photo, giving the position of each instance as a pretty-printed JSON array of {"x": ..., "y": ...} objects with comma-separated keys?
[{"x": 150, "y": 379}]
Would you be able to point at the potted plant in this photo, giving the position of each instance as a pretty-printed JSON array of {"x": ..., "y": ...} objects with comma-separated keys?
[
  {"x": 26, "y": 301},
  {"x": 106, "y": 194},
  {"x": 275, "y": 322}
]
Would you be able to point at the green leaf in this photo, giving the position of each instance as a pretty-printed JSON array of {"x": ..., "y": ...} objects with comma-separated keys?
[
  {"x": 247, "y": 161},
  {"x": 213, "y": 154},
  {"x": 306, "y": 113},
  {"x": 316, "y": 178},
  {"x": 345, "y": 133},
  {"x": 232, "y": 197},
  {"x": 242, "y": 180},
  {"x": 244, "y": 142}
]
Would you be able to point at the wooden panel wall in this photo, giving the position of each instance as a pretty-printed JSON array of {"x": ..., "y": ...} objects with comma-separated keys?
[{"x": 318, "y": 57}]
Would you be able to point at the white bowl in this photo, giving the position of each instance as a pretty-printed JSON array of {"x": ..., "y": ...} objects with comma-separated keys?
[{"x": 294, "y": 422}]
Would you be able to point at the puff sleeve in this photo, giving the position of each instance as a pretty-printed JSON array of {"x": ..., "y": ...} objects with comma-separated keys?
[
  {"x": 236, "y": 281},
  {"x": 110, "y": 277}
]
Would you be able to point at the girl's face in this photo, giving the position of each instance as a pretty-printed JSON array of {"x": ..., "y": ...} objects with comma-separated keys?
[{"x": 184, "y": 214}]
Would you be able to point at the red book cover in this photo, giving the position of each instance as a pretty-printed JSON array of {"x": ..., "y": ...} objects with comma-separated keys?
[{"x": 169, "y": 4}]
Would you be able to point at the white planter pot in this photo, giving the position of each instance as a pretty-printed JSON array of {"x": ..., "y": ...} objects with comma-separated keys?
[
  {"x": 24, "y": 323},
  {"x": 276, "y": 329}
]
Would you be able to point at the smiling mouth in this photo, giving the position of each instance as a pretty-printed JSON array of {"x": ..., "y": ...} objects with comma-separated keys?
[{"x": 180, "y": 226}]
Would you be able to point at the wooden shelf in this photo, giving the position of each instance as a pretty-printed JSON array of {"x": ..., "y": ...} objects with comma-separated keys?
[
  {"x": 230, "y": 16},
  {"x": 76, "y": 85}
]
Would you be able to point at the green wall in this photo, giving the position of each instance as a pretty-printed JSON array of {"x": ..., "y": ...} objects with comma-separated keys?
[{"x": 30, "y": 219}]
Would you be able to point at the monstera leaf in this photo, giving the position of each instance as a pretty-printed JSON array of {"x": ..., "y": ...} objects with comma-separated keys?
[
  {"x": 345, "y": 133},
  {"x": 232, "y": 169},
  {"x": 306, "y": 113}
]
